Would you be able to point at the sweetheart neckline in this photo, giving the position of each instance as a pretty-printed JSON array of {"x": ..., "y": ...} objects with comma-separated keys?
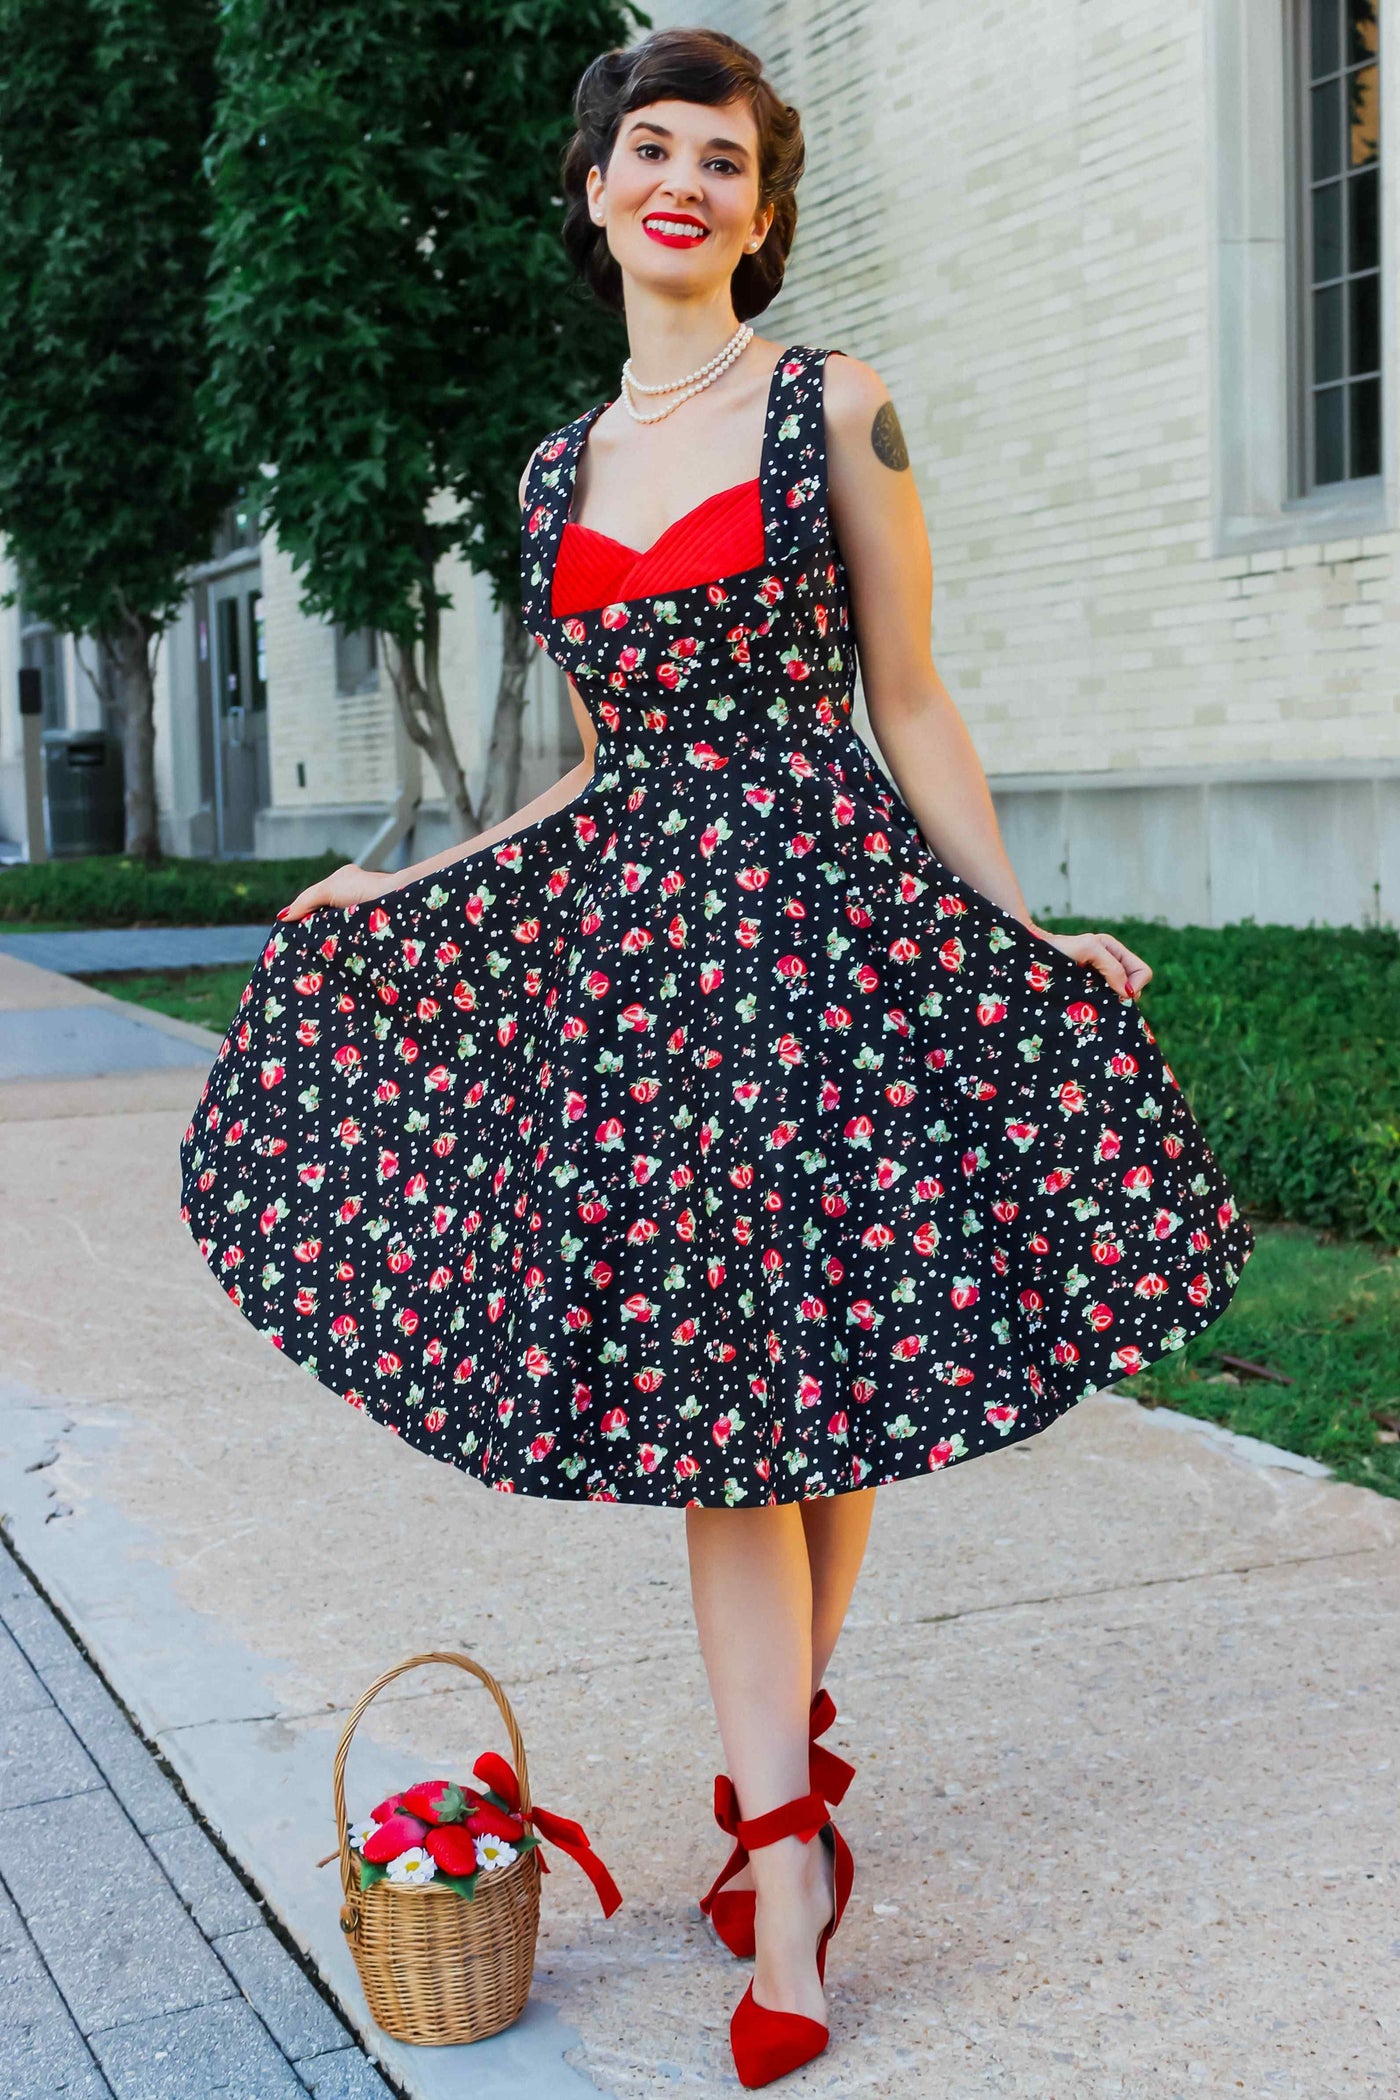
[{"x": 754, "y": 481}]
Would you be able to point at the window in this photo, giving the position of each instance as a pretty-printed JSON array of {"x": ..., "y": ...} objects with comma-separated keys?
[
  {"x": 356, "y": 661},
  {"x": 258, "y": 652},
  {"x": 237, "y": 528},
  {"x": 41, "y": 649},
  {"x": 1337, "y": 128}
]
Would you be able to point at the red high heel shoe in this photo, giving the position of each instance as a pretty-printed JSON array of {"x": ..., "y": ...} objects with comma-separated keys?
[
  {"x": 766, "y": 2042},
  {"x": 730, "y": 1911}
]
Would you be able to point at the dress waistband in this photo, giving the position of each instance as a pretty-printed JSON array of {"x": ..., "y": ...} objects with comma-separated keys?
[{"x": 711, "y": 749}]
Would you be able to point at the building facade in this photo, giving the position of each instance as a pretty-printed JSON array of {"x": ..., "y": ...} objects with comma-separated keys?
[
  {"x": 277, "y": 734},
  {"x": 1129, "y": 273}
]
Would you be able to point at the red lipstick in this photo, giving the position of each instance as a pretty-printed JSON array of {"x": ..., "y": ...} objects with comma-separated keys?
[{"x": 664, "y": 226}]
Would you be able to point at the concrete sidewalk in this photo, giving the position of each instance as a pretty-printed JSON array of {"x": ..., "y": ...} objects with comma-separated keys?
[
  {"x": 1123, "y": 1699},
  {"x": 54, "y": 1028},
  {"x": 136, "y": 1964},
  {"x": 135, "y": 948}
]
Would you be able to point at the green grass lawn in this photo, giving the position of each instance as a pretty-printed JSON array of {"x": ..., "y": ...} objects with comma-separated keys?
[
  {"x": 208, "y": 996},
  {"x": 43, "y": 926},
  {"x": 1322, "y": 1310}
]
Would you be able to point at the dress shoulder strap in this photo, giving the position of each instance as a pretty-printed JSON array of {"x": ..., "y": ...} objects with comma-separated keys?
[
  {"x": 797, "y": 496},
  {"x": 547, "y": 481}
]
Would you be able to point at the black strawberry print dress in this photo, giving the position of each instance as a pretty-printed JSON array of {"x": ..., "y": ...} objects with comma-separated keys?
[{"x": 709, "y": 1140}]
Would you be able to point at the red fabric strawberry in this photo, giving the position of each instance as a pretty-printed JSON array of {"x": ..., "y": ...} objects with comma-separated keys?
[
  {"x": 396, "y": 1834},
  {"x": 386, "y": 1808},
  {"x": 451, "y": 1846},
  {"x": 439, "y": 1801},
  {"x": 490, "y": 1821},
  {"x": 422, "y": 1800}
]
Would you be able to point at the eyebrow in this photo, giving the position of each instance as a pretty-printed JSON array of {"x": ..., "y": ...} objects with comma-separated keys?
[{"x": 729, "y": 145}]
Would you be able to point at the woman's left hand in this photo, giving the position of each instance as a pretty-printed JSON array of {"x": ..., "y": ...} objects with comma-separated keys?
[{"x": 1104, "y": 952}]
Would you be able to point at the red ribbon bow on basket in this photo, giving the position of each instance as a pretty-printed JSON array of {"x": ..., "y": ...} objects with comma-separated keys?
[{"x": 562, "y": 1831}]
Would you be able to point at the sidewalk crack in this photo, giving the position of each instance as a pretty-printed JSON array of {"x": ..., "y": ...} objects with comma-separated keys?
[{"x": 1145, "y": 1582}]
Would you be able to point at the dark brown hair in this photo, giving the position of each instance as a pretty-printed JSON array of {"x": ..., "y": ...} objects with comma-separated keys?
[{"x": 683, "y": 65}]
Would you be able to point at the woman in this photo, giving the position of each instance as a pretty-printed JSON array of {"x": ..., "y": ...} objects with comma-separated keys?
[{"x": 720, "y": 1131}]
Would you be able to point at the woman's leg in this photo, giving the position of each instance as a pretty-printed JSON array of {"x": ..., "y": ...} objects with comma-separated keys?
[
  {"x": 837, "y": 1527},
  {"x": 752, "y": 1583}
]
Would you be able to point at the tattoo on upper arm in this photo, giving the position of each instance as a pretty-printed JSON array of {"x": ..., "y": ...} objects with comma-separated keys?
[{"x": 887, "y": 438}]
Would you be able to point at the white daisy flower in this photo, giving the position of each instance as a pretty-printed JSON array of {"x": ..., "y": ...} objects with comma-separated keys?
[
  {"x": 494, "y": 1852},
  {"x": 361, "y": 1833},
  {"x": 415, "y": 1865}
]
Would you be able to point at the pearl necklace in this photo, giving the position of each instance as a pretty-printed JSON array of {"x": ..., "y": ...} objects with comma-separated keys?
[{"x": 693, "y": 383}]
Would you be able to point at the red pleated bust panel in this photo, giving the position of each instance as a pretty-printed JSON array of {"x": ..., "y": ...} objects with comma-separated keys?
[{"x": 723, "y": 536}]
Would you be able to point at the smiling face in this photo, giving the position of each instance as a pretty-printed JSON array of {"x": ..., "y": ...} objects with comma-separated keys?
[{"x": 679, "y": 201}]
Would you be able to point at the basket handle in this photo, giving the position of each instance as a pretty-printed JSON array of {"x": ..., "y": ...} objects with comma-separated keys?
[{"x": 349, "y": 1881}]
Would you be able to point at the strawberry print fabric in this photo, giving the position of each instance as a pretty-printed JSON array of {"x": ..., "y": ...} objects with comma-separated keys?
[{"x": 709, "y": 1140}]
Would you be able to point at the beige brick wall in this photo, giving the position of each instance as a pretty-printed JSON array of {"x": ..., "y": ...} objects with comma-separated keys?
[
  {"x": 1008, "y": 212},
  {"x": 346, "y": 746}
]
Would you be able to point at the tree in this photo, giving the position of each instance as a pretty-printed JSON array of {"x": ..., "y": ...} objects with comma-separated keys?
[
  {"x": 394, "y": 319},
  {"x": 107, "y": 489}
]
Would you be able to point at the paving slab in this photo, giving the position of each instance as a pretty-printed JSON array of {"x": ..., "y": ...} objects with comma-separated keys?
[
  {"x": 221, "y": 2050},
  {"x": 296, "y": 2015},
  {"x": 41, "y": 1759},
  {"x": 86, "y": 1885},
  {"x": 343, "y": 2075},
  {"x": 21, "y": 1692},
  {"x": 203, "y": 1879},
  {"x": 41, "y": 2050},
  {"x": 1122, "y": 1699},
  {"x": 101, "y": 1925},
  {"x": 105, "y": 948},
  {"x": 128, "y": 1769}
]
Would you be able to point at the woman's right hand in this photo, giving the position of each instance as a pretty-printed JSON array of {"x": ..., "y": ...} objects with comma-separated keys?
[{"x": 346, "y": 886}]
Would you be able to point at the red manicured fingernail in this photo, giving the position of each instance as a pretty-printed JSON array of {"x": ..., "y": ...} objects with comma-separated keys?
[{"x": 283, "y": 913}]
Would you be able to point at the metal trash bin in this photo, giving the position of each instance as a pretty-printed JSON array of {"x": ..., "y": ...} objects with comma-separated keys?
[{"x": 85, "y": 788}]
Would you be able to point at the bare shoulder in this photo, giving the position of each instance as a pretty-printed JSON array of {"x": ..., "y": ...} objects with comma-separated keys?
[
  {"x": 525, "y": 477},
  {"x": 860, "y": 416}
]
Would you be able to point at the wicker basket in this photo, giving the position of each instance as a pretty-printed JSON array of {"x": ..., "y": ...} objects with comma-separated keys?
[{"x": 436, "y": 1967}]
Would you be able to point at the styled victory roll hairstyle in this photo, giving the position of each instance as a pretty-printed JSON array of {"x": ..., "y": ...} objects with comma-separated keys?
[{"x": 683, "y": 65}]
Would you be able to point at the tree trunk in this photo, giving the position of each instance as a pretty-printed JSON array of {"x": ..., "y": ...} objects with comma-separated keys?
[
  {"x": 415, "y": 669},
  {"x": 132, "y": 648},
  {"x": 501, "y": 795}
]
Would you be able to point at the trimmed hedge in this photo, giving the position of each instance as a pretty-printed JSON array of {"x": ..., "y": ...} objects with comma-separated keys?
[
  {"x": 115, "y": 891},
  {"x": 1287, "y": 1041}
]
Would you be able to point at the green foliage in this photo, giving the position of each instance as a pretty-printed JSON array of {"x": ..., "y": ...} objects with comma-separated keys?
[
  {"x": 394, "y": 318},
  {"x": 107, "y": 491},
  {"x": 1288, "y": 1043},
  {"x": 464, "y": 1884},
  {"x": 1325, "y": 1314},
  {"x": 207, "y": 996},
  {"x": 451, "y": 1804},
  {"x": 124, "y": 891}
]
